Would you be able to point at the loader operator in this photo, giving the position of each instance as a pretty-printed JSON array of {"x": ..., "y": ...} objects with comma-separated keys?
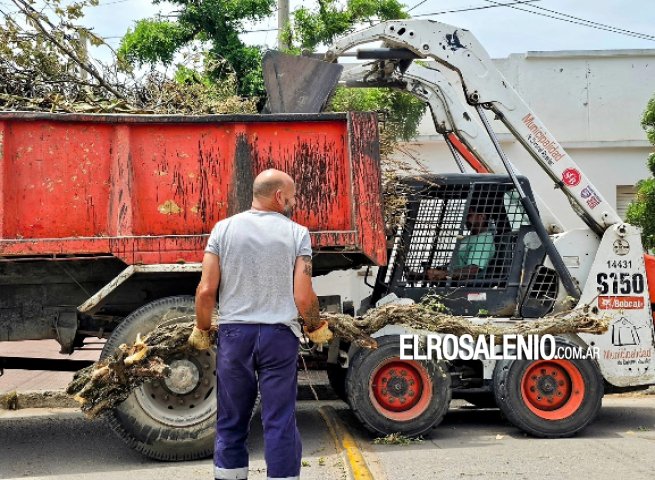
[
  {"x": 474, "y": 252},
  {"x": 260, "y": 262}
]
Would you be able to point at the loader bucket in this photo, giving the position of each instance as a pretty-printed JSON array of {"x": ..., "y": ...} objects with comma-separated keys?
[{"x": 298, "y": 84}]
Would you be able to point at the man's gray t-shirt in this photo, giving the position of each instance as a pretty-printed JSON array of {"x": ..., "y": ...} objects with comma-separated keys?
[{"x": 258, "y": 251}]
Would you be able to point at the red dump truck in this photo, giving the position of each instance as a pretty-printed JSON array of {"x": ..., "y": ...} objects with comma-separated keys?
[{"x": 104, "y": 219}]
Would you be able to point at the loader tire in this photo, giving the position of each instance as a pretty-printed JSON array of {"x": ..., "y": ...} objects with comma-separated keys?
[
  {"x": 549, "y": 398},
  {"x": 389, "y": 395},
  {"x": 165, "y": 420}
]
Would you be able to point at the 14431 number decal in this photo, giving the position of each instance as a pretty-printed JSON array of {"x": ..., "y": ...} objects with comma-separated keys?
[
  {"x": 620, "y": 282},
  {"x": 619, "y": 264}
]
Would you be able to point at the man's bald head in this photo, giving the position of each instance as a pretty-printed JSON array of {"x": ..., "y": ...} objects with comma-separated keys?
[
  {"x": 270, "y": 181},
  {"x": 274, "y": 190}
]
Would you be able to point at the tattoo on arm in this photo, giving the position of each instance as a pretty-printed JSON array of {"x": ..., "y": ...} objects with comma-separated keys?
[{"x": 308, "y": 265}]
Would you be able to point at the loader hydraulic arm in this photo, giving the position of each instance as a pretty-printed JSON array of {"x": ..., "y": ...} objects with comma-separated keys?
[
  {"x": 485, "y": 88},
  {"x": 453, "y": 118}
]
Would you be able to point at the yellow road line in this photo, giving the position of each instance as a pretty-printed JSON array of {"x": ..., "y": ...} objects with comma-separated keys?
[{"x": 345, "y": 442}]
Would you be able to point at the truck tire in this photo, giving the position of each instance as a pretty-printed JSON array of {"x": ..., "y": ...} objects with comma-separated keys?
[
  {"x": 174, "y": 419},
  {"x": 549, "y": 398},
  {"x": 419, "y": 399},
  {"x": 337, "y": 378}
]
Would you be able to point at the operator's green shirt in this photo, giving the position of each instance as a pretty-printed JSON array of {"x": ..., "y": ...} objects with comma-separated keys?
[{"x": 474, "y": 250}]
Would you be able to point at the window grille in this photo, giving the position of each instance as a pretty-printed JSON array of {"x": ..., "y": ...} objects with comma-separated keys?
[
  {"x": 458, "y": 235},
  {"x": 543, "y": 288}
]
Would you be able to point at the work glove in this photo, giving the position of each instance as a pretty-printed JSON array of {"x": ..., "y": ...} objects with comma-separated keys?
[
  {"x": 200, "y": 339},
  {"x": 321, "y": 334}
]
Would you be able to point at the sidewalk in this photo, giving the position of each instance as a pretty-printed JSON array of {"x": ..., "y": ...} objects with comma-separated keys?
[{"x": 27, "y": 380}]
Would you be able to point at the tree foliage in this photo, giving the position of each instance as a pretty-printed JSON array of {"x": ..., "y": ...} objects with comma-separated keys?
[
  {"x": 37, "y": 50},
  {"x": 402, "y": 111},
  {"x": 641, "y": 212},
  {"x": 648, "y": 120},
  {"x": 323, "y": 25},
  {"x": 218, "y": 24},
  {"x": 153, "y": 41}
]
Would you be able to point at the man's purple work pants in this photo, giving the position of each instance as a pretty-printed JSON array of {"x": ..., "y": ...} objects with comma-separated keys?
[{"x": 248, "y": 353}]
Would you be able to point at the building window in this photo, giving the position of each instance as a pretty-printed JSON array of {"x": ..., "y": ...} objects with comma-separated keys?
[{"x": 624, "y": 195}]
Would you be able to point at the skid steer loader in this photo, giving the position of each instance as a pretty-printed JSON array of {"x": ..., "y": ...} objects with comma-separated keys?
[{"x": 528, "y": 265}]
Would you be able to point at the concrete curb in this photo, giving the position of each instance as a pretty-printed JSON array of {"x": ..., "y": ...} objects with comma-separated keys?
[
  {"x": 37, "y": 399},
  {"x": 346, "y": 445},
  {"x": 59, "y": 399}
]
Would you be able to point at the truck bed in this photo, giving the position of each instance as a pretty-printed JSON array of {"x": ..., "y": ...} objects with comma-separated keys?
[{"x": 147, "y": 189}]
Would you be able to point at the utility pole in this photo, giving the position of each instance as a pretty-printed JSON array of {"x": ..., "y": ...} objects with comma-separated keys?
[
  {"x": 282, "y": 21},
  {"x": 83, "y": 52}
]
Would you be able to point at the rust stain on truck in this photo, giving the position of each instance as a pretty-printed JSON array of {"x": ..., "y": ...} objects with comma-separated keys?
[
  {"x": 150, "y": 188},
  {"x": 169, "y": 207}
]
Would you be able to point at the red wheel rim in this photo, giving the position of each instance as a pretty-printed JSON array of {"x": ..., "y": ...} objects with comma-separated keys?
[
  {"x": 552, "y": 389},
  {"x": 400, "y": 389}
]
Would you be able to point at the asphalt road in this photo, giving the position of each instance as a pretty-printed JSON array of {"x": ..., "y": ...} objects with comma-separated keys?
[
  {"x": 62, "y": 444},
  {"x": 472, "y": 444},
  {"x": 469, "y": 444}
]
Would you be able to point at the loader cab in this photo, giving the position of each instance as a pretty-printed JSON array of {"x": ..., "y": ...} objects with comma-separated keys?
[{"x": 466, "y": 239}]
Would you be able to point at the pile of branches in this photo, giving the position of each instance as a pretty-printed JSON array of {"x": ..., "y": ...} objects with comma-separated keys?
[
  {"x": 45, "y": 66},
  {"x": 108, "y": 382},
  {"x": 425, "y": 317}
]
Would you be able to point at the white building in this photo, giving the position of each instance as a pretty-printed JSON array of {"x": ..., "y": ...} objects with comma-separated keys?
[{"x": 591, "y": 101}]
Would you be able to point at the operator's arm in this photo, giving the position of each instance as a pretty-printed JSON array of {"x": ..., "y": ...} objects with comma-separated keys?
[
  {"x": 463, "y": 273},
  {"x": 303, "y": 292},
  {"x": 206, "y": 291},
  {"x": 472, "y": 257}
]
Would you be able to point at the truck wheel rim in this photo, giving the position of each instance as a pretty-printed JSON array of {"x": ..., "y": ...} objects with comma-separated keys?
[
  {"x": 400, "y": 389},
  {"x": 552, "y": 389},
  {"x": 187, "y": 397}
]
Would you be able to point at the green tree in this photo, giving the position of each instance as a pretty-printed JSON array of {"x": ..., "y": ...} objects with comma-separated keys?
[
  {"x": 641, "y": 212},
  {"x": 310, "y": 28},
  {"x": 218, "y": 23},
  {"x": 402, "y": 111}
]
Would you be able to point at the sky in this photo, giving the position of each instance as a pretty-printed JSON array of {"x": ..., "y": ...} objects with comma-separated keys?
[{"x": 501, "y": 30}]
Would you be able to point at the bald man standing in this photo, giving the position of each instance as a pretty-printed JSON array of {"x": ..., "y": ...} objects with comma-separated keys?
[{"x": 260, "y": 263}]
